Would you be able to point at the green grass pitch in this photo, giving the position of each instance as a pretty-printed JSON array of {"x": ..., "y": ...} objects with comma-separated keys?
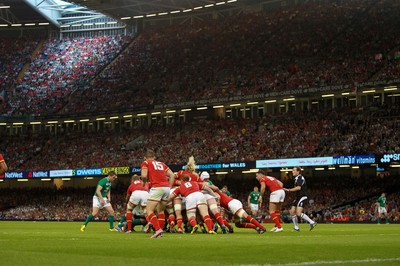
[{"x": 62, "y": 243}]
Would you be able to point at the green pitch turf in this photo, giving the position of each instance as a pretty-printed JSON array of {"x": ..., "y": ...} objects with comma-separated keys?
[{"x": 62, "y": 243}]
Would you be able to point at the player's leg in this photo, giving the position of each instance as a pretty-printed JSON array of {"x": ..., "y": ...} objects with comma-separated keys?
[
  {"x": 213, "y": 206},
  {"x": 155, "y": 196},
  {"x": 111, "y": 214},
  {"x": 161, "y": 213},
  {"x": 386, "y": 218},
  {"x": 299, "y": 212},
  {"x": 90, "y": 217},
  {"x": 293, "y": 214},
  {"x": 226, "y": 220},
  {"x": 191, "y": 214},
  {"x": 191, "y": 208},
  {"x": 120, "y": 224},
  {"x": 129, "y": 215},
  {"x": 275, "y": 215},
  {"x": 138, "y": 221},
  {"x": 254, "y": 210},
  {"x": 259, "y": 227},
  {"x": 178, "y": 213},
  {"x": 278, "y": 211},
  {"x": 150, "y": 215},
  {"x": 379, "y": 215},
  {"x": 240, "y": 224},
  {"x": 162, "y": 194},
  {"x": 203, "y": 209},
  {"x": 171, "y": 217},
  {"x": 96, "y": 207}
]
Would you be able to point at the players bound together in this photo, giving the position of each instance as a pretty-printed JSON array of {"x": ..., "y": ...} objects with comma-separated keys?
[{"x": 161, "y": 201}]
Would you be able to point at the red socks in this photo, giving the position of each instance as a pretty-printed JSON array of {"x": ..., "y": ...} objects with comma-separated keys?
[
  {"x": 161, "y": 219},
  {"x": 276, "y": 219},
  {"x": 254, "y": 221},
  {"x": 208, "y": 222},
  {"x": 129, "y": 220},
  {"x": 152, "y": 218},
  {"x": 179, "y": 222}
]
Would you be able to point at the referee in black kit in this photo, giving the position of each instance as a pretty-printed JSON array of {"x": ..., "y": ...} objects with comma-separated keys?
[{"x": 300, "y": 187}]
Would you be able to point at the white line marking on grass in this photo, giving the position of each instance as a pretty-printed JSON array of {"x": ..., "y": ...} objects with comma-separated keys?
[{"x": 321, "y": 262}]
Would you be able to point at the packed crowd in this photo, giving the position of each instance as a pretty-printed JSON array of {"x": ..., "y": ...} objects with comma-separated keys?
[
  {"x": 308, "y": 45},
  {"x": 60, "y": 67},
  {"x": 312, "y": 44},
  {"x": 13, "y": 58},
  {"x": 323, "y": 133}
]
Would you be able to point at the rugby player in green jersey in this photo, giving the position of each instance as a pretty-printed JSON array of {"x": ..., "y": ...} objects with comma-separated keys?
[
  {"x": 102, "y": 199},
  {"x": 254, "y": 201},
  {"x": 382, "y": 212}
]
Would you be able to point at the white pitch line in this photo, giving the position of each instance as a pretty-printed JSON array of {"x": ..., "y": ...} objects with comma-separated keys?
[{"x": 322, "y": 262}]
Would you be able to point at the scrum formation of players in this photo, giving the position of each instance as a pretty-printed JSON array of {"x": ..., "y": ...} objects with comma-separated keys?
[{"x": 166, "y": 201}]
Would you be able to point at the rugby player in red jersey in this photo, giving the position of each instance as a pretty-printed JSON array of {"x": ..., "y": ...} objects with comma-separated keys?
[
  {"x": 138, "y": 203},
  {"x": 138, "y": 195},
  {"x": 276, "y": 198},
  {"x": 194, "y": 200},
  {"x": 3, "y": 165},
  {"x": 177, "y": 202},
  {"x": 156, "y": 172},
  {"x": 212, "y": 203},
  {"x": 236, "y": 207}
]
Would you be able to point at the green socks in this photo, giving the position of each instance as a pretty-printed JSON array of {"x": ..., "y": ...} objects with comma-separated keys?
[
  {"x": 111, "y": 220},
  {"x": 123, "y": 219},
  {"x": 88, "y": 219}
]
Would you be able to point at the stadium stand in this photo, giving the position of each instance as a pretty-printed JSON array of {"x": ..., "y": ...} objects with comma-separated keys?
[
  {"x": 358, "y": 131},
  {"x": 308, "y": 45},
  {"x": 60, "y": 67}
]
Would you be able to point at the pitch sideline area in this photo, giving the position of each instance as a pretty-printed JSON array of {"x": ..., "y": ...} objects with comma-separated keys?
[{"x": 62, "y": 243}]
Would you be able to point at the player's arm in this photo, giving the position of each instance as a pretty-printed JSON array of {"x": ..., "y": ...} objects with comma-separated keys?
[
  {"x": 109, "y": 196},
  {"x": 173, "y": 195},
  {"x": 262, "y": 189},
  {"x": 128, "y": 195},
  {"x": 206, "y": 187},
  {"x": 3, "y": 165},
  {"x": 177, "y": 182},
  {"x": 213, "y": 187},
  {"x": 248, "y": 200},
  {"x": 297, "y": 188},
  {"x": 98, "y": 193},
  {"x": 171, "y": 177},
  {"x": 143, "y": 173}
]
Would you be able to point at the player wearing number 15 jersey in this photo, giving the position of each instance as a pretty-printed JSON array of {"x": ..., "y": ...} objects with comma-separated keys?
[{"x": 156, "y": 172}]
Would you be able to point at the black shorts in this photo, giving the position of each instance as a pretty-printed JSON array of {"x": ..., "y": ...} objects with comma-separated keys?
[{"x": 300, "y": 202}]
